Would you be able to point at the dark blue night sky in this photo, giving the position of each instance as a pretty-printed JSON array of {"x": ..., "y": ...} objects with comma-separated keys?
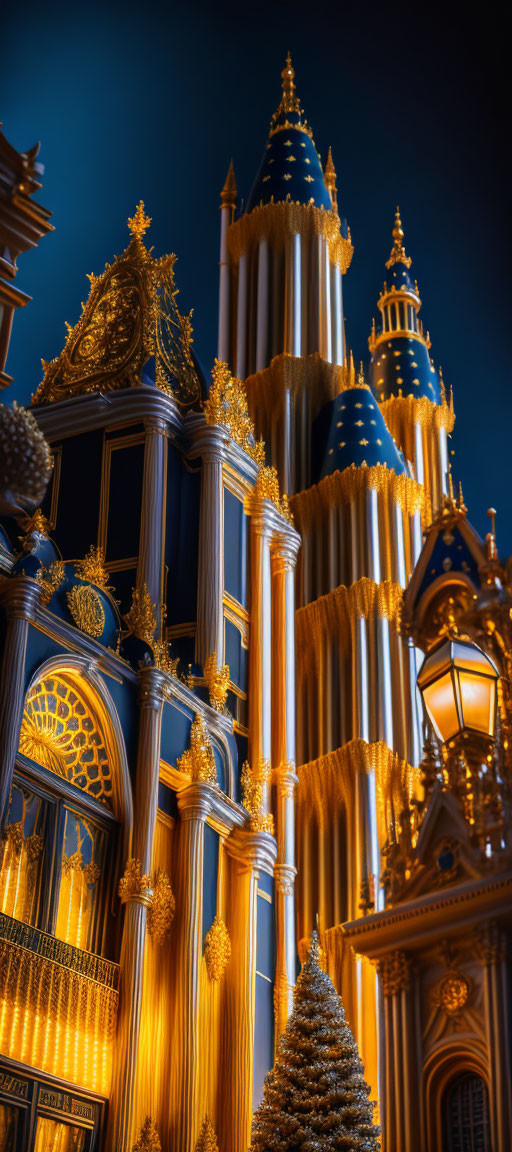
[{"x": 130, "y": 102}]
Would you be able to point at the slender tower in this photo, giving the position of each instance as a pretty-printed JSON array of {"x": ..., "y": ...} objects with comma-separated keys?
[
  {"x": 281, "y": 300},
  {"x": 410, "y": 391}
]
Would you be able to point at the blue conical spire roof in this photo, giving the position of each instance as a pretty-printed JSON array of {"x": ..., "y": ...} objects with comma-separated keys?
[
  {"x": 291, "y": 167},
  {"x": 358, "y": 433}
]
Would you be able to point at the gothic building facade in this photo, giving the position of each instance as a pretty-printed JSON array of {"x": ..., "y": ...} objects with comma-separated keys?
[{"x": 211, "y": 729}]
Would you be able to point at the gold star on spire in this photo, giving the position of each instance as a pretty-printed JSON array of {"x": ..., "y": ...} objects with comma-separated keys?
[
  {"x": 398, "y": 251},
  {"x": 139, "y": 222}
]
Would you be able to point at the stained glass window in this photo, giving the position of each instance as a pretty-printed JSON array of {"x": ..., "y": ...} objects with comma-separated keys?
[{"x": 22, "y": 853}]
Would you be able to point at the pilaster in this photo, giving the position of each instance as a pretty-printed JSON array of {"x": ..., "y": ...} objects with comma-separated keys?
[
  {"x": 151, "y": 550},
  {"x": 20, "y": 597}
]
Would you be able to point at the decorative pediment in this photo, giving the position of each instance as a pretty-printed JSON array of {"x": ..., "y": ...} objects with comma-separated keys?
[{"x": 130, "y": 331}]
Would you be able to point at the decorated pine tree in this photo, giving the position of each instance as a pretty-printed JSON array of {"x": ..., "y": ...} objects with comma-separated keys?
[
  {"x": 149, "y": 1140},
  {"x": 315, "y": 1098},
  {"x": 207, "y": 1139}
]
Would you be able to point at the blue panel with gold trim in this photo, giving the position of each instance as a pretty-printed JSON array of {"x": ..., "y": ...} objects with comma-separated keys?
[
  {"x": 236, "y": 655},
  {"x": 263, "y": 1036},
  {"x": 358, "y": 434},
  {"x": 290, "y": 170},
  {"x": 450, "y": 553},
  {"x": 402, "y": 366},
  {"x": 236, "y": 544}
]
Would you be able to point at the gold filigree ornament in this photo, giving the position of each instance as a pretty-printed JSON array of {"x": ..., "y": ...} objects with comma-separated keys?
[
  {"x": 135, "y": 887},
  {"x": 50, "y": 579},
  {"x": 451, "y": 994},
  {"x": 86, "y": 608},
  {"x": 92, "y": 568},
  {"x": 267, "y": 488},
  {"x": 217, "y": 952},
  {"x": 161, "y": 913},
  {"x": 198, "y": 760},
  {"x": 141, "y": 619},
  {"x": 254, "y": 786},
  {"x": 217, "y": 680},
  {"x": 131, "y": 316},
  {"x": 227, "y": 405}
]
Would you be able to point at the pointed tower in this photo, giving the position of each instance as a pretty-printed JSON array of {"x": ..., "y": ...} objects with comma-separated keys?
[
  {"x": 228, "y": 201},
  {"x": 404, "y": 380},
  {"x": 284, "y": 326}
]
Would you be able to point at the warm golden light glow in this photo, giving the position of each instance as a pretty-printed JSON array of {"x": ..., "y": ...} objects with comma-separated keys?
[
  {"x": 458, "y": 682},
  {"x": 52, "y": 1136}
]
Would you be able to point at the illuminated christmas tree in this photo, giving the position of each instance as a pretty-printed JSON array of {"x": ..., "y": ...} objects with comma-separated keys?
[{"x": 316, "y": 1098}]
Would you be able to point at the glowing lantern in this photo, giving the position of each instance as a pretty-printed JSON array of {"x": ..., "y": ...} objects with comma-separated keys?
[{"x": 458, "y": 683}]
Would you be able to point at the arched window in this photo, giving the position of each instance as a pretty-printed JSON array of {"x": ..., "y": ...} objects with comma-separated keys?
[
  {"x": 466, "y": 1115},
  {"x": 60, "y": 833}
]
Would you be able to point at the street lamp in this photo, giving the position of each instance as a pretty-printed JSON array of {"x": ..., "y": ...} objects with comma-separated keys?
[{"x": 458, "y": 682}]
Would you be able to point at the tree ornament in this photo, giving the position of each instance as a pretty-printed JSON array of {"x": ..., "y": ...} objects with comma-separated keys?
[
  {"x": 25, "y": 461},
  {"x": 149, "y": 1140},
  {"x": 207, "y": 1139},
  {"x": 315, "y": 1098}
]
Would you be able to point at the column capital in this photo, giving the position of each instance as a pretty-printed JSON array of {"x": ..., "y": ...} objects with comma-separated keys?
[
  {"x": 265, "y": 519},
  {"x": 154, "y": 425},
  {"x": 394, "y": 972},
  {"x": 196, "y": 801},
  {"x": 284, "y": 550},
  {"x": 211, "y": 441},
  {"x": 284, "y": 776},
  {"x": 20, "y": 597},
  {"x": 153, "y": 687},
  {"x": 255, "y": 850},
  {"x": 489, "y": 944},
  {"x": 285, "y": 878}
]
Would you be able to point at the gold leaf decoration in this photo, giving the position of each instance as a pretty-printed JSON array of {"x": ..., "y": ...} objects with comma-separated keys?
[
  {"x": 148, "y": 1140},
  {"x": 217, "y": 952},
  {"x": 141, "y": 619},
  {"x": 50, "y": 579},
  {"x": 92, "y": 568},
  {"x": 267, "y": 488},
  {"x": 86, "y": 609},
  {"x": 217, "y": 680},
  {"x": 227, "y": 404},
  {"x": 161, "y": 913},
  {"x": 254, "y": 782},
  {"x": 198, "y": 760},
  {"x": 133, "y": 886}
]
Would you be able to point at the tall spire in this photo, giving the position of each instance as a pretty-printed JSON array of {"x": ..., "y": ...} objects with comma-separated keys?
[
  {"x": 398, "y": 254},
  {"x": 330, "y": 179},
  {"x": 229, "y": 192},
  {"x": 290, "y": 101}
]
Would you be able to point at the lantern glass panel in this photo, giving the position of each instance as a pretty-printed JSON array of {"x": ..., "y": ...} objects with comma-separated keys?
[
  {"x": 440, "y": 703},
  {"x": 478, "y": 699}
]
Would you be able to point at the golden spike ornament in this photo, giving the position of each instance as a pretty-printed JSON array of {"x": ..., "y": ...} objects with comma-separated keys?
[
  {"x": 267, "y": 488},
  {"x": 139, "y": 222},
  {"x": 217, "y": 952},
  {"x": 330, "y": 180},
  {"x": 198, "y": 760},
  {"x": 229, "y": 192},
  {"x": 217, "y": 680},
  {"x": 290, "y": 102},
  {"x": 227, "y": 404},
  {"x": 398, "y": 254}
]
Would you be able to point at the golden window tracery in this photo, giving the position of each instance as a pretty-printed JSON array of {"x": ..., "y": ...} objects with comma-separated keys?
[{"x": 61, "y": 732}]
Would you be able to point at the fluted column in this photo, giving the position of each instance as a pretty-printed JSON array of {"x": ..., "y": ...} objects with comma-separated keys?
[
  {"x": 20, "y": 597},
  {"x": 210, "y": 443},
  {"x": 400, "y": 1119},
  {"x": 224, "y": 333},
  {"x": 151, "y": 550},
  {"x": 490, "y": 949},
  {"x": 263, "y": 303},
  {"x": 194, "y": 804},
  {"x": 137, "y": 898},
  {"x": 260, "y": 663},
  {"x": 284, "y": 555},
  {"x": 241, "y": 328}
]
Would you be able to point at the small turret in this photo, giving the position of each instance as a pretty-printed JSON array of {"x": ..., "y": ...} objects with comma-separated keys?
[{"x": 330, "y": 180}]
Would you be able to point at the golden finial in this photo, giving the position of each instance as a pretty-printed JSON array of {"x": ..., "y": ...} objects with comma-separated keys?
[
  {"x": 289, "y": 102},
  {"x": 492, "y": 551},
  {"x": 360, "y": 375},
  {"x": 229, "y": 192},
  {"x": 398, "y": 254},
  {"x": 330, "y": 179},
  {"x": 139, "y": 222}
]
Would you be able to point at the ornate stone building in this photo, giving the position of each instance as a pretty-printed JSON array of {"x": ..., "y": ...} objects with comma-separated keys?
[{"x": 210, "y": 724}]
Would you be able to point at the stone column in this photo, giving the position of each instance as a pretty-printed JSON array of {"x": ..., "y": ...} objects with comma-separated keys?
[
  {"x": 20, "y": 597},
  {"x": 284, "y": 555},
  {"x": 151, "y": 550},
  {"x": 490, "y": 948},
  {"x": 210, "y": 443},
  {"x": 401, "y": 1113},
  {"x": 260, "y": 662},
  {"x": 137, "y": 897},
  {"x": 194, "y": 804}
]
